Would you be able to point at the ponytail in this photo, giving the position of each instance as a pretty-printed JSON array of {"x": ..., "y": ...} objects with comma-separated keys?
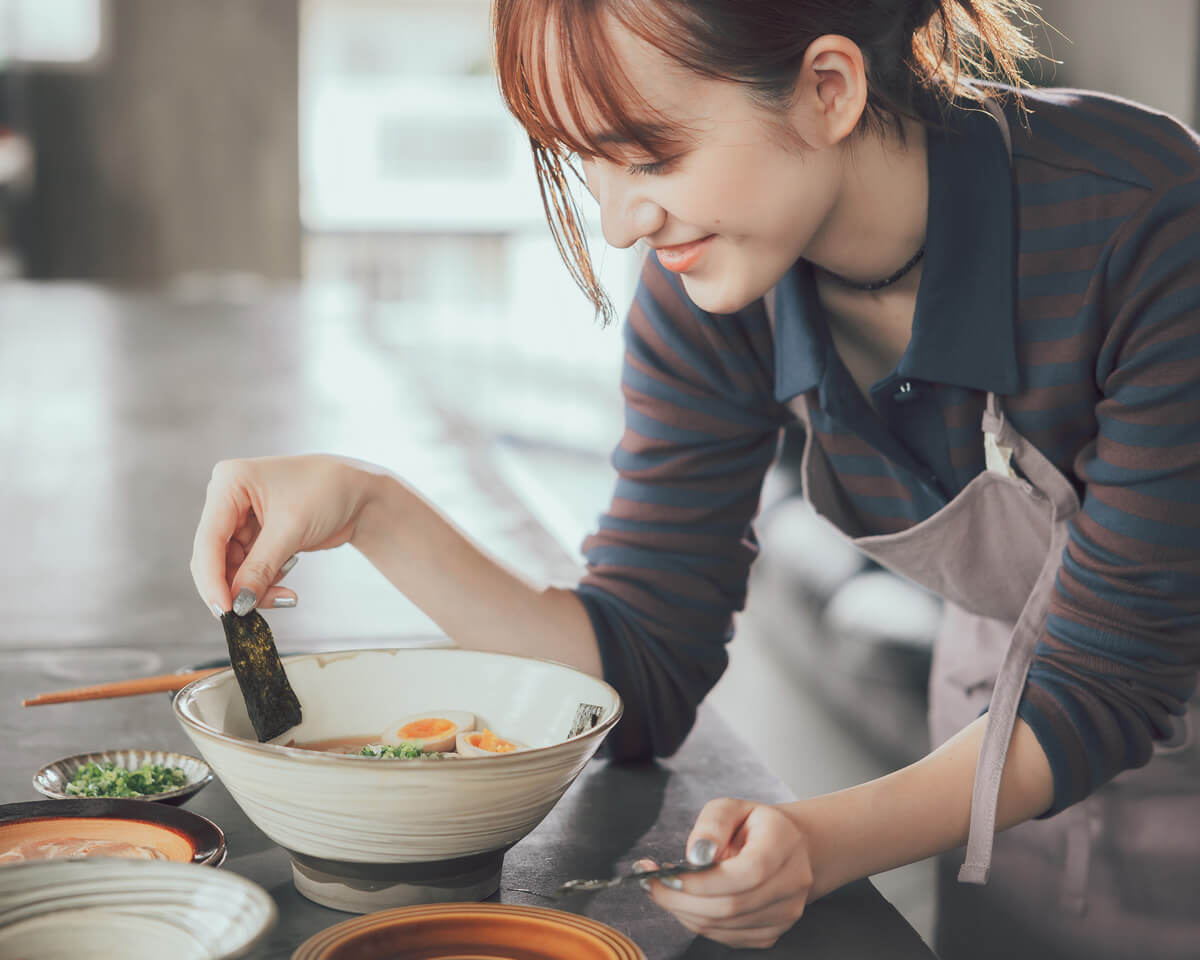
[{"x": 955, "y": 41}]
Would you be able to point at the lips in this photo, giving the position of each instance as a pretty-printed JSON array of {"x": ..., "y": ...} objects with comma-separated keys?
[{"x": 684, "y": 256}]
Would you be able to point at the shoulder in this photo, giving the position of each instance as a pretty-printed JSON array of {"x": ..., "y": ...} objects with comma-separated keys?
[{"x": 1103, "y": 136}]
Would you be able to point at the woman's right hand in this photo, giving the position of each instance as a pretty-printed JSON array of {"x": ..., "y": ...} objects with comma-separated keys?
[{"x": 259, "y": 513}]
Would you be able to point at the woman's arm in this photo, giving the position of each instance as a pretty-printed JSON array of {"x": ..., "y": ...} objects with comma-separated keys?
[
  {"x": 918, "y": 811},
  {"x": 775, "y": 859},
  {"x": 259, "y": 512},
  {"x": 477, "y": 601}
]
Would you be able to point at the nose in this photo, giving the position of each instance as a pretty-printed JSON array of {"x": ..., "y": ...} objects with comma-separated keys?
[{"x": 627, "y": 213}]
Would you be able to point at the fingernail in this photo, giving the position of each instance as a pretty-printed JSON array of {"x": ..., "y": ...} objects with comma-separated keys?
[
  {"x": 640, "y": 867},
  {"x": 281, "y": 602},
  {"x": 645, "y": 885},
  {"x": 216, "y": 610},
  {"x": 246, "y": 599},
  {"x": 702, "y": 852},
  {"x": 673, "y": 882},
  {"x": 288, "y": 564}
]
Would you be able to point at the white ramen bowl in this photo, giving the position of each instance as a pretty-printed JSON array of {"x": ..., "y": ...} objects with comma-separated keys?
[
  {"x": 133, "y": 909},
  {"x": 367, "y": 834}
]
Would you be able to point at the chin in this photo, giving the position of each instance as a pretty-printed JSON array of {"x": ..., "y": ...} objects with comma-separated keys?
[{"x": 718, "y": 297}]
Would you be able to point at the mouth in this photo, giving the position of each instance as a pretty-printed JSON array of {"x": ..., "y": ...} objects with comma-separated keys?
[{"x": 682, "y": 257}]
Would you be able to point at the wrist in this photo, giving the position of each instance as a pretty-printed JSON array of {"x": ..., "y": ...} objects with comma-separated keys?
[
  {"x": 805, "y": 815},
  {"x": 379, "y": 498}
]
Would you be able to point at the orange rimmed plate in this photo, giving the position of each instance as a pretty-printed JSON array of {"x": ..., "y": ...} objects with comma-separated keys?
[{"x": 469, "y": 931}]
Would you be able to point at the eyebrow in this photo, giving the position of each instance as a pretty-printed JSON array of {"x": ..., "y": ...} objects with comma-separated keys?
[
  {"x": 609, "y": 136},
  {"x": 652, "y": 131}
]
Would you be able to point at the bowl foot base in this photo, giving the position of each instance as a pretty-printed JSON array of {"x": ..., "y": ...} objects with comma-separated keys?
[{"x": 350, "y": 888}]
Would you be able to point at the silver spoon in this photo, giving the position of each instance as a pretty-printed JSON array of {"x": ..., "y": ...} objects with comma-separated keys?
[{"x": 666, "y": 870}]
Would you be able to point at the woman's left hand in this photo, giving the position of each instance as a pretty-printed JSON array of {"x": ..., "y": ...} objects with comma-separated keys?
[{"x": 760, "y": 885}]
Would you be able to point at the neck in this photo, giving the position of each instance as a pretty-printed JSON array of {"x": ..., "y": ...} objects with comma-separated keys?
[{"x": 877, "y": 222}]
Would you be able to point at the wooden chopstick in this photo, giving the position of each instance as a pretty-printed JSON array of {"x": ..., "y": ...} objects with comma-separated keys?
[{"x": 121, "y": 688}]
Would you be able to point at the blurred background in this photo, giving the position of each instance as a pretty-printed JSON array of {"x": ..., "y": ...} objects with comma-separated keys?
[{"x": 332, "y": 189}]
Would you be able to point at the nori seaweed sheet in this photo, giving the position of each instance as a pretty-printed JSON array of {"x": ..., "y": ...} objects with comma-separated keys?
[{"x": 270, "y": 699}]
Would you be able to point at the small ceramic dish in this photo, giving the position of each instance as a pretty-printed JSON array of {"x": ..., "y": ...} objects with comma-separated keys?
[
  {"x": 456, "y": 930},
  {"x": 136, "y": 910},
  {"x": 51, "y": 781},
  {"x": 77, "y": 828}
]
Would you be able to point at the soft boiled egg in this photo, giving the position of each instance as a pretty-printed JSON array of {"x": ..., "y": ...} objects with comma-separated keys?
[
  {"x": 484, "y": 743},
  {"x": 435, "y": 731}
]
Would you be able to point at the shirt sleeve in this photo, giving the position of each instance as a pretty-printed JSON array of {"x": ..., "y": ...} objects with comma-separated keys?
[
  {"x": 1118, "y": 657},
  {"x": 669, "y": 562}
]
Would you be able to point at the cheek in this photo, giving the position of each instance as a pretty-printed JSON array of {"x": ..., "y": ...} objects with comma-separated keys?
[{"x": 767, "y": 202}]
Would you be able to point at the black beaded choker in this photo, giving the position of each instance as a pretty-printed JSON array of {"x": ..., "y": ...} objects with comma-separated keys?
[{"x": 877, "y": 284}]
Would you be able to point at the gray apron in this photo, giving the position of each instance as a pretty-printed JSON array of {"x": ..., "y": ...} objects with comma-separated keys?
[{"x": 1117, "y": 875}]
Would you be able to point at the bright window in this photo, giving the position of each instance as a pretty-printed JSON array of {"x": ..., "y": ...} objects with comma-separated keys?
[{"x": 51, "y": 31}]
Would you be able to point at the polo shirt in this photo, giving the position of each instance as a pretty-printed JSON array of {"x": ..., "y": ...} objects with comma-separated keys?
[{"x": 1067, "y": 281}]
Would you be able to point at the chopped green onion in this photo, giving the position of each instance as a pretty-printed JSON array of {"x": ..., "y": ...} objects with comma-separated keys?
[{"x": 108, "y": 780}]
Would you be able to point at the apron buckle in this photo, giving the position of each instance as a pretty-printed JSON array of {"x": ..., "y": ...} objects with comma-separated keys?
[{"x": 997, "y": 457}]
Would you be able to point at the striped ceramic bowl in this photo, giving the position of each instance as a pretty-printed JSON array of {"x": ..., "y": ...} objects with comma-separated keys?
[
  {"x": 367, "y": 834},
  {"x": 51, "y": 781},
  {"x": 136, "y": 910}
]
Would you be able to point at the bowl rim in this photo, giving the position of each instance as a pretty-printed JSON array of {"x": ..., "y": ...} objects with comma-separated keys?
[
  {"x": 322, "y": 943},
  {"x": 312, "y": 756},
  {"x": 253, "y": 891},
  {"x": 166, "y": 816},
  {"x": 78, "y": 759}
]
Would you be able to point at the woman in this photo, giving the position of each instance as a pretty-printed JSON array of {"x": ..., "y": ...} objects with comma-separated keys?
[{"x": 984, "y": 310}]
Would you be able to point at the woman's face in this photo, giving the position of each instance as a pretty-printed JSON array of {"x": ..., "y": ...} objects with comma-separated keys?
[{"x": 736, "y": 207}]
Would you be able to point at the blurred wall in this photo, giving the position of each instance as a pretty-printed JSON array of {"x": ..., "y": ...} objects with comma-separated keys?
[
  {"x": 1145, "y": 50},
  {"x": 177, "y": 154}
]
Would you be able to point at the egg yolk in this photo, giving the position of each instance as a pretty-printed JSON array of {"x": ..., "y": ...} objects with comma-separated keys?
[
  {"x": 490, "y": 742},
  {"x": 425, "y": 729}
]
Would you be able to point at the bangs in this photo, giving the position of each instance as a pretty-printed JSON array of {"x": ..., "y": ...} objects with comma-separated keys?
[
  {"x": 597, "y": 113},
  {"x": 596, "y": 109}
]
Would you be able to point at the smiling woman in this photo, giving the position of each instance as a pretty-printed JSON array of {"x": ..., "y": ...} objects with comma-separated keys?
[{"x": 574, "y": 76}]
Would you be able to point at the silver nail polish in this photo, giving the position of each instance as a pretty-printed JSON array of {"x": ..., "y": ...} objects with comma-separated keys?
[
  {"x": 287, "y": 565},
  {"x": 246, "y": 599},
  {"x": 281, "y": 602},
  {"x": 216, "y": 610},
  {"x": 673, "y": 882},
  {"x": 702, "y": 852}
]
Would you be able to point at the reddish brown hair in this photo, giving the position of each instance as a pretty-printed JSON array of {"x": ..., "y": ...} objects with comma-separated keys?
[{"x": 912, "y": 49}]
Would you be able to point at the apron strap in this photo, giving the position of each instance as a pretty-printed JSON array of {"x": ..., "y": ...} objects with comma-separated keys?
[
  {"x": 1049, "y": 482},
  {"x": 1002, "y": 715}
]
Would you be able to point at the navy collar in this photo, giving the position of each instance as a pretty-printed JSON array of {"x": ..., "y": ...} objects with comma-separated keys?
[{"x": 964, "y": 325}]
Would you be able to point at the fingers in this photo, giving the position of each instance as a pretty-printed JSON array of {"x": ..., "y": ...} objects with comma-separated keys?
[
  {"x": 261, "y": 569},
  {"x": 760, "y": 885},
  {"x": 278, "y": 598},
  {"x": 225, "y": 510},
  {"x": 225, "y": 542},
  {"x": 717, "y": 829},
  {"x": 735, "y": 920}
]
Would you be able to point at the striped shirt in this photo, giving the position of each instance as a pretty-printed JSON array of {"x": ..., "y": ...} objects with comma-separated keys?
[{"x": 1067, "y": 282}]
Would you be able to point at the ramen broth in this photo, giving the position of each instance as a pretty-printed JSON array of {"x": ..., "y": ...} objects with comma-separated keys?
[
  {"x": 350, "y": 745},
  {"x": 48, "y": 849}
]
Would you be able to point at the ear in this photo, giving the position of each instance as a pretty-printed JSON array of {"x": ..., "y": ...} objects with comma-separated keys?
[{"x": 831, "y": 91}]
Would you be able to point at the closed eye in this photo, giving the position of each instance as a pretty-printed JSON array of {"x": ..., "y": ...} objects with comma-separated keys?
[{"x": 649, "y": 169}]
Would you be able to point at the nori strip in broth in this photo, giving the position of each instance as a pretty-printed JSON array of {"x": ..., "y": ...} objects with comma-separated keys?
[{"x": 270, "y": 699}]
